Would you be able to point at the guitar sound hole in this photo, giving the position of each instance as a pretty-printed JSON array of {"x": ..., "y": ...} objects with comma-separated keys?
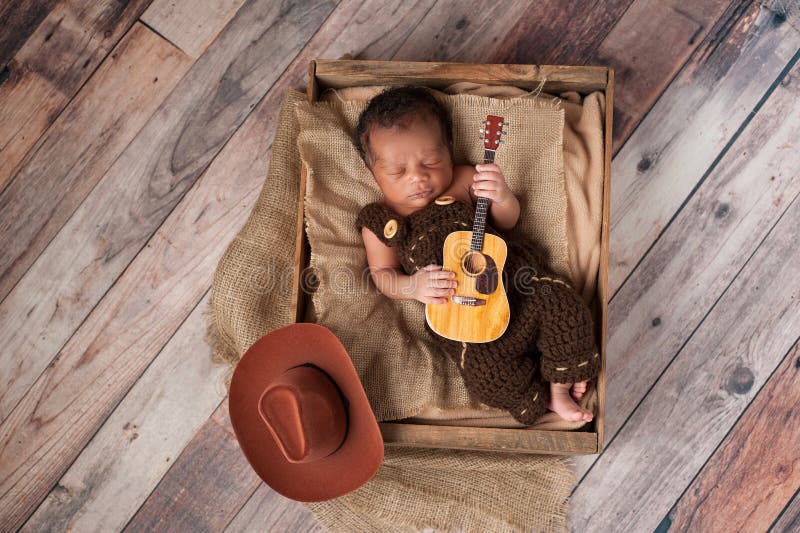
[{"x": 474, "y": 263}]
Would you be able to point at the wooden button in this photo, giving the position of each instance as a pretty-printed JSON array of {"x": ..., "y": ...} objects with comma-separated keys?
[
  {"x": 444, "y": 200},
  {"x": 390, "y": 229}
]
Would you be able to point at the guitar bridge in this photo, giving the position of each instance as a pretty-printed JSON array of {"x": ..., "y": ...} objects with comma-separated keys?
[{"x": 467, "y": 300}]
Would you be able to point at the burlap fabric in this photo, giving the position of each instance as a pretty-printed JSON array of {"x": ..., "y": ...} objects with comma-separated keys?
[{"x": 415, "y": 488}]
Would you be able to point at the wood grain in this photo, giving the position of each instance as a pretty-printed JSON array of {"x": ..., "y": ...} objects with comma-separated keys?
[
  {"x": 789, "y": 519},
  {"x": 701, "y": 395},
  {"x": 267, "y": 510},
  {"x": 19, "y": 20},
  {"x": 756, "y": 470},
  {"x": 181, "y": 504},
  {"x": 191, "y": 26},
  {"x": 339, "y": 74},
  {"x": 461, "y": 31},
  {"x": 643, "y": 65},
  {"x": 80, "y": 146},
  {"x": 140, "y": 440},
  {"x": 700, "y": 254},
  {"x": 679, "y": 140},
  {"x": 52, "y": 66},
  {"x": 132, "y": 200},
  {"x": 494, "y": 439},
  {"x": 180, "y": 140},
  {"x": 538, "y": 35}
]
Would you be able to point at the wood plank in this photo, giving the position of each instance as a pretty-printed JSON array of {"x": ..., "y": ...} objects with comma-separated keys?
[
  {"x": 219, "y": 452},
  {"x": 680, "y": 138},
  {"x": 754, "y": 473},
  {"x": 19, "y": 20},
  {"x": 191, "y": 26},
  {"x": 52, "y": 66},
  {"x": 497, "y": 439},
  {"x": 644, "y": 66},
  {"x": 245, "y": 158},
  {"x": 464, "y": 32},
  {"x": 140, "y": 440},
  {"x": 588, "y": 22},
  {"x": 700, "y": 253},
  {"x": 267, "y": 510},
  {"x": 168, "y": 156},
  {"x": 701, "y": 395},
  {"x": 789, "y": 519},
  {"x": 339, "y": 74},
  {"x": 615, "y": 34},
  {"x": 107, "y": 231},
  {"x": 180, "y": 504},
  {"x": 72, "y": 156}
]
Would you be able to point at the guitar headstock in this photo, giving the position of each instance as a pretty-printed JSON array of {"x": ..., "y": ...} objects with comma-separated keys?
[{"x": 492, "y": 130}]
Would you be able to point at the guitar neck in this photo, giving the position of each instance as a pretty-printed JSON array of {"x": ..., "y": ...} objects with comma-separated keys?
[{"x": 481, "y": 210}]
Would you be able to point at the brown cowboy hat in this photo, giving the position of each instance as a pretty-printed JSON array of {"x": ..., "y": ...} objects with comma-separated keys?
[{"x": 301, "y": 415}]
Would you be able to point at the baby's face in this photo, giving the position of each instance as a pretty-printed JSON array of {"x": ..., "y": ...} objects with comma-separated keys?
[{"x": 413, "y": 166}]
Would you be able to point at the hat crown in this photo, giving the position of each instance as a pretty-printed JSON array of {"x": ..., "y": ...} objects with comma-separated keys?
[{"x": 305, "y": 414}]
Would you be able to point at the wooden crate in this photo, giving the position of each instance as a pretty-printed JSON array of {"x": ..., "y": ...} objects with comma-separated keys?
[{"x": 341, "y": 73}]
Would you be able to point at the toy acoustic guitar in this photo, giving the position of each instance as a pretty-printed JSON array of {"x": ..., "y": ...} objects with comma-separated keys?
[{"x": 479, "y": 310}]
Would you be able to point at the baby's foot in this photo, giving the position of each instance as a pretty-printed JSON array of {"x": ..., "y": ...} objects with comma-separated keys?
[{"x": 562, "y": 403}]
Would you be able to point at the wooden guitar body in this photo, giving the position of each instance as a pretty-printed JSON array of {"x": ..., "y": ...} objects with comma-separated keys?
[{"x": 479, "y": 310}]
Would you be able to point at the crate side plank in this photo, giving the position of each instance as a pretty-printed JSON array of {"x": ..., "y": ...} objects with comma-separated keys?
[
  {"x": 344, "y": 73},
  {"x": 489, "y": 439},
  {"x": 602, "y": 283}
]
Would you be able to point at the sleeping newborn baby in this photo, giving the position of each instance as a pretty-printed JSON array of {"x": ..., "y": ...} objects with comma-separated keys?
[{"x": 547, "y": 353}]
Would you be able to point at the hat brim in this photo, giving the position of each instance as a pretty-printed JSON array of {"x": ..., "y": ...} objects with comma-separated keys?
[{"x": 360, "y": 455}]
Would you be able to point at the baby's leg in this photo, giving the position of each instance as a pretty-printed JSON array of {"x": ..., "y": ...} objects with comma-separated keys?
[
  {"x": 499, "y": 377},
  {"x": 562, "y": 401}
]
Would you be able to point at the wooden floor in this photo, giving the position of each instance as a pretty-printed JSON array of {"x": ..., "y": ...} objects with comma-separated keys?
[{"x": 134, "y": 140}]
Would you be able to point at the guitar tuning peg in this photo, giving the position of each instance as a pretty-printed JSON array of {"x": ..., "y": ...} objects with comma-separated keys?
[
  {"x": 502, "y": 140},
  {"x": 481, "y": 130},
  {"x": 504, "y": 123}
]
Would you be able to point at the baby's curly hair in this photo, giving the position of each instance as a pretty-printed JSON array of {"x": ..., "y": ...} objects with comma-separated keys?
[{"x": 394, "y": 106}]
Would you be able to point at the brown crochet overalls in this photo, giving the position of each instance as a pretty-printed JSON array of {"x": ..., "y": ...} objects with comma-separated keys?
[{"x": 549, "y": 337}]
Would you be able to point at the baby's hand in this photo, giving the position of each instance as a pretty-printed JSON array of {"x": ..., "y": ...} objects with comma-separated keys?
[
  {"x": 490, "y": 182},
  {"x": 430, "y": 284}
]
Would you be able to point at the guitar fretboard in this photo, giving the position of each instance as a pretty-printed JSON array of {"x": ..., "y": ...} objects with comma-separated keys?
[{"x": 481, "y": 209}]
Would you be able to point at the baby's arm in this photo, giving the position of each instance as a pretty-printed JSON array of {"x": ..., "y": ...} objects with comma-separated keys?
[
  {"x": 428, "y": 285},
  {"x": 384, "y": 268}
]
